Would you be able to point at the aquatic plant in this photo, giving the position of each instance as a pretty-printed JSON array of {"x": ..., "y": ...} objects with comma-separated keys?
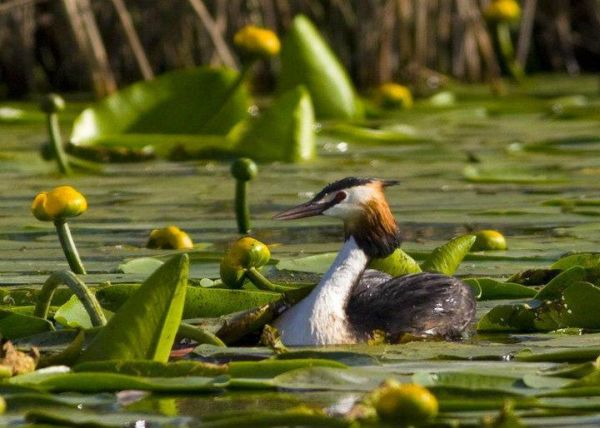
[
  {"x": 501, "y": 14},
  {"x": 242, "y": 261},
  {"x": 170, "y": 237},
  {"x": 393, "y": 95},
  {"x": 403, "y": 403},
  {"x": 243, "y": 170},
  {"x": 52, "y": 104},
  {"x": 489, "y": 240},
  {"x": 58, "y": 205}
]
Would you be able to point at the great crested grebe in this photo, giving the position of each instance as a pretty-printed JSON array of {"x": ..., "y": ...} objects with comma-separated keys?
[{"x": 351, "y": 302}]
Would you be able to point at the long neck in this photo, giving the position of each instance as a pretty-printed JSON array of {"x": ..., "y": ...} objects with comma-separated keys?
[{"x": 320, "y": 318}]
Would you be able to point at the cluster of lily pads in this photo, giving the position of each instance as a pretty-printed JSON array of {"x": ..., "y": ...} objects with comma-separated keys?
[
  {"x": 116, "y": 337},
  {"x": 207, "y": 112}
]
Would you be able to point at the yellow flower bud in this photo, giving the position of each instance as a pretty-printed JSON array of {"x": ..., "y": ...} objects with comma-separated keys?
[
  {"x": 259, "y": 42},
  {"x": 503, "y": 11},
  {"x": 489, "y": 240},
  {"x": 393, "y": 95},
  {"x": 244, "y": 253},
  {"x": 60, "y": 203},
  {"x": 404, "y": 403},
  {"x": 170, "y": 238}
]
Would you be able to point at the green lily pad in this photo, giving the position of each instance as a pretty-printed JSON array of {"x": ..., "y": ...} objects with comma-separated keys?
[
  {"x": 184, "y": 102},
  {"x": 14, "y": 325},
  {"x": 511, "y": 175},
  {"x": 146, "y": 368},
  {"x": 493, "y": 289},
  {"x": 200, "y": 302},
  {"x": 282, "y": 133},
  {"x": 140, "y": 266},
  {"x": 585, "y": 260},
  {"x": 307, "y": 60}
]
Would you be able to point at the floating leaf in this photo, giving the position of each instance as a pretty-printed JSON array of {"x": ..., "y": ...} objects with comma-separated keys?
[
  {"x": 146, "y": 368},
  {"x": 317, "y": 263},
  {"x": 146, "y": 325},
  {"x": 469, "y": 381},
  {"x": 493, "y": 289},
  {"x": 307, "y": 60},
  {"x": 585, "y": 260},
  {"x": 396, "y": 264},
  {"x": 14, "y": 325},
  {"x": 199, "y": 302},
  {"x": 101, "y": 381},
  {"x": 510, "y": 175},
  {"x": 86, "y": 418},
  {"x": 282, "y": 133},
  {"x": 446, "y": 258},
  {"x": 271, "y": 368},
  {"x": 73, "y": 314},
  {"x": 553, "y": 290},
  {"x": 363, "y": 134},
  {"x": 327, "y": 379},
  {"x": 183, "y": 102},
  {"x": 140, "y": 266}
]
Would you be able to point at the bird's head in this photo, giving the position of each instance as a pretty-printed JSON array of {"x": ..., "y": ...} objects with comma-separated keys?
[{"x": 361, "y": 204}]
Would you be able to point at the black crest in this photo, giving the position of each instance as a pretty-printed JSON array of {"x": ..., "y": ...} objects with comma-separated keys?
[{"x": 348, "y": 182}]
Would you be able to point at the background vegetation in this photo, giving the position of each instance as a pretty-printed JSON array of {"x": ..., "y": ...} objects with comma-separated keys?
[{"x": 100, "y": 45}]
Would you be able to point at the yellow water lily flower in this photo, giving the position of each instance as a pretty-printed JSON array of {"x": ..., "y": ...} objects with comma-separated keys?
[
  {"x": 503, "y": 11},
  {"x": 258, "y": 42},
  {"x": 170, "y": 238},
  {"x": 394, "y": 95},
  {"x": 60, "y": 203}
]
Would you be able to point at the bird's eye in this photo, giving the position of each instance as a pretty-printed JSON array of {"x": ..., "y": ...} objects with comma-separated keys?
[{"x": 339, "y": 197}]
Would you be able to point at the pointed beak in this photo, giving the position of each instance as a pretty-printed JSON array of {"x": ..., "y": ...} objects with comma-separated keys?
[
  {"x": 307, "y": 209},
  {"x": 387, "y": 183}
]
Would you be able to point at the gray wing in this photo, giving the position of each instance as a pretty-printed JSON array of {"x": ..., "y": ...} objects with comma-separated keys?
[{"x": 423, "y": 304}]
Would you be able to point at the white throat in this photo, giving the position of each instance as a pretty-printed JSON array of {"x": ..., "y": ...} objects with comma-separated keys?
[{"x": 320, "y": 318}]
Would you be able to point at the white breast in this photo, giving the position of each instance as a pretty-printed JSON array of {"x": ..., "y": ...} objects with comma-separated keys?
[{"x": 320, "y": 318}]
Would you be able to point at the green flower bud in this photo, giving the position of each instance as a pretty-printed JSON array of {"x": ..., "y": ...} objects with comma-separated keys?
[
  {"x": 52, "y": 103},
  {"x": 489, "y": 240},
  {"x": 244, "y": 254},
  {"x": 244, "y": 169}
]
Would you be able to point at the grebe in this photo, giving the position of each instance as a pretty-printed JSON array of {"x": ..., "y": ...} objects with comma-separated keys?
[{"x": 351, "y": 302}]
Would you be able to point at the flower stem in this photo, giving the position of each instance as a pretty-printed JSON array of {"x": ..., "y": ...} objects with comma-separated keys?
[
  {"x": 507, "y": 51},
  {"x": 57, "y": 144},
  {"x": 198, "y": 334},
  {"x": 83, "y": 293},
  {"x": 242, "y": 211},
  {"x": 68, "y": 246},
  {"x": 263, "y": 283}
]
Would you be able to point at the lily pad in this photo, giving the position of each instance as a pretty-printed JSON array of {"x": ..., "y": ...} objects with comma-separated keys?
[
  {"x": 14, "y": 325},
  {"x": 446, "y": 258},
  {"x": 189, "y": 102},
  {"x": 396, "y": 264}
]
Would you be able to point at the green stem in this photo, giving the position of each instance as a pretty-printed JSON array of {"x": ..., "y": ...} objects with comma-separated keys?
[
  {"x": 198, "y": 334},
  {"x": 57, "y": 144},
  {"x": 507, "y": 51},
  {"x": 68, "y": 246},
  {"x": 242, "y": 211},
  {"x": 83, "y": 293},
  {"x": 263, "y": 283}
]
